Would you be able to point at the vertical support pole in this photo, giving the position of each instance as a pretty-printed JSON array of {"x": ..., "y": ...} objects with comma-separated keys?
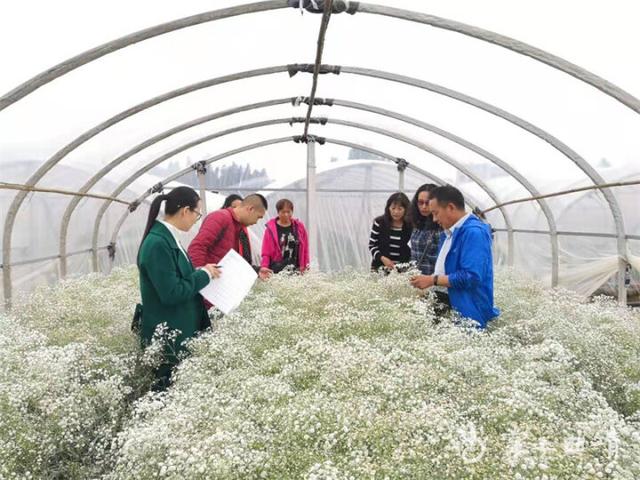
[
  {"x": 554, "y": 259},
  {"x": 94, "y": 259},
  {"x": 311, "y": 219},
  {"x": 6, "y": 278},
  {"x": 494, "y": 248},
  {"x": 510, "y": 248},
  {"x": 201, "y": 169},
  {"x": 63, "y": 258},
  {"x": 402, "y": 164},
  {"x": 622, "y": 287}
]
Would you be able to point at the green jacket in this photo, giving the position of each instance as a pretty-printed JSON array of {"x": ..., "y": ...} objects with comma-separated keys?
[{"x": 169, "y": 287}]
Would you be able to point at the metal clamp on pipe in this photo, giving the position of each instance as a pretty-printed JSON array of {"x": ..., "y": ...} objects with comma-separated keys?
[
  {"x": 479, "y": 213},
  {"x": 111, "y": 250},
  {"x": 133, "y": 206},
  {"x": 309, "y": 139},
  {"x": 316, "y": 120},
  {"x": 158, "y": 187},
  {"x": 294, "y": 68},
  {"x": 200, "y": 167},
  {"x": 296, "y": 101},
  {"x": 401, "y": 164},
  {"x": 317, "y": 6}
]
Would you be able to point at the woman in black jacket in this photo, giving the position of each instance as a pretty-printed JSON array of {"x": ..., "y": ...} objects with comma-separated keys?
[{"x": 390, "y": 234}]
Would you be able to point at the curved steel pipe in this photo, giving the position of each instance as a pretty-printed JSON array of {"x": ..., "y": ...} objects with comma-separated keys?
[
  {"x": 66, "y": 217},
  {"x": 481, "y": 34},
  {"x": 265, "y": 143},
  {"x": 343, "y": 103},
  {"x": 580, "y": 162},
  {"x": 17, "y": 202},
  {"x": 503, "y": 41},
  {"x": 106, "y": 48},
  {"x": 206, "y": 138},
  {"x": 58, "y": 156},
  {"x": 512, "y": 44}
]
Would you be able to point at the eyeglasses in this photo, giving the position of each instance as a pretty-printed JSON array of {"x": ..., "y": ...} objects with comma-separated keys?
[
  {"x": 197, "y": 213},
  {"x": 422, "y": 203}
]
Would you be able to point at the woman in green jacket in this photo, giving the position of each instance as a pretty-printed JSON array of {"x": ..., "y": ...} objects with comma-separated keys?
[{"x": 169, "y": 285}]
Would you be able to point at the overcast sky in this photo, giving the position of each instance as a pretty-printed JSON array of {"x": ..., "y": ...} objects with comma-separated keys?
[{"x": 602, "y": 37}]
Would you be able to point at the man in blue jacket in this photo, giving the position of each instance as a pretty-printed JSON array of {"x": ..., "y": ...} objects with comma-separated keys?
[{"x": 463, "y": 275}]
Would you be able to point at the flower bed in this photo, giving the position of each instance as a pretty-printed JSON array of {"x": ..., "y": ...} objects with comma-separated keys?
[
  {"x": 346, "y": 376},
  {"x": 67, "y": 379},
  {"x": 324, "y": 376}
]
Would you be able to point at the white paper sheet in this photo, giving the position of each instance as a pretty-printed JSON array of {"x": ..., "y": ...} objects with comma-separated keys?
[{"x": 235, "y": 282}]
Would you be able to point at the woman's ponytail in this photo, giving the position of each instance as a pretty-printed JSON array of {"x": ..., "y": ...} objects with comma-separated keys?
[{"x": 154, "y": 210}]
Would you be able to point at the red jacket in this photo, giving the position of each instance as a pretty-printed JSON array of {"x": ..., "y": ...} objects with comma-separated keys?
[
  {"x": 219, "y": 233},
  {"x": 271, "y": 248}
]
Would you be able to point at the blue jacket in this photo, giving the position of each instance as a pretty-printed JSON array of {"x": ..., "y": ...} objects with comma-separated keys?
[{"x": 469, "y": 266}]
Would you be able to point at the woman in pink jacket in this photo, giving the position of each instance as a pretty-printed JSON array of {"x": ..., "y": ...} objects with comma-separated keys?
[{"x": 285, "y": 241}]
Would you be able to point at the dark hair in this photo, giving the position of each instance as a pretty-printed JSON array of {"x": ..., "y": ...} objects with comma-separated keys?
[
  {"x": 448, "y": 194},
  {"x": 230, "y": 199},
  {"x": 400, "y": 198},
  {"x": 176, "y": 199},
  {"x": 417, "y": 219},
  {"x": 255, "y": 199},
  {"x": 284, "y": 203}
]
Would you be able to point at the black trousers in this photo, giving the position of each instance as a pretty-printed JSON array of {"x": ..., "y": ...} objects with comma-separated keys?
[{"x": 442, "y": 305}]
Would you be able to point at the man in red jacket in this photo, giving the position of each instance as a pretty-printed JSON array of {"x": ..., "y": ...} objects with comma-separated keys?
[{"x": 226, "y": 229}]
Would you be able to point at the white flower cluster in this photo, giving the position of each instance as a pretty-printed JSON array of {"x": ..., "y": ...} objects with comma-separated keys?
[
  {"x": 347, "y": 377},
  {"x": 603, "y": 338},
  {"x": 323, "y": 377},
  {"x": 68, "y": 375}
]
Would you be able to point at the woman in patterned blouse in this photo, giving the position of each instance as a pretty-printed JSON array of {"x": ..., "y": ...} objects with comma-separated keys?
[{"x": 426, "y": 233}]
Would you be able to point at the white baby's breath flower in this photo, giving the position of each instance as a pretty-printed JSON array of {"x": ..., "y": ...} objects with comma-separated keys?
[{"x": 323, "y": 376}]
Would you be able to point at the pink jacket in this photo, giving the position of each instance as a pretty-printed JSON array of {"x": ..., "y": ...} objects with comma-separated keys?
[{"x": 271, "y": 248}]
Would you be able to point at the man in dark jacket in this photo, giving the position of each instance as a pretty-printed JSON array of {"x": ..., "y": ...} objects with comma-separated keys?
[
  {"x": 226, "y": 229},
  {"x": 463, "y": 273}
]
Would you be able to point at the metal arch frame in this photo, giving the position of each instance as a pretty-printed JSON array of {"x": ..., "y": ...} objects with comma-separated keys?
[
  {"x": 60, "y": 154},
  {"x": 580, "y": 162},
  {"x": 66, "y": 217},
  {"x": 157, "y": 161},
  {"x": 128, "y": 181},
  {"x": 342, "y": 103},
  {"x": 509, "y": 43},
  {"x": 18, "y": 200},
  {"x": 503, "y": 41},
  {"x": 247, "y": 74},
  {"x": 265, "y": 143},
  {"x": 544, "y": 206},
  {"x": 442, "y": 156},
  {"x": 488, "y": 36},
  {"x": 72, "y": 63}
]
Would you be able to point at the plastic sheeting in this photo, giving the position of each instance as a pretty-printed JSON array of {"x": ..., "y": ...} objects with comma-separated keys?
[{"x": 592, "y": 126}]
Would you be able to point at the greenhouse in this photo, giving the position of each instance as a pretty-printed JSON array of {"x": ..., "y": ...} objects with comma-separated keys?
[{"x": 530, "y": 110}]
